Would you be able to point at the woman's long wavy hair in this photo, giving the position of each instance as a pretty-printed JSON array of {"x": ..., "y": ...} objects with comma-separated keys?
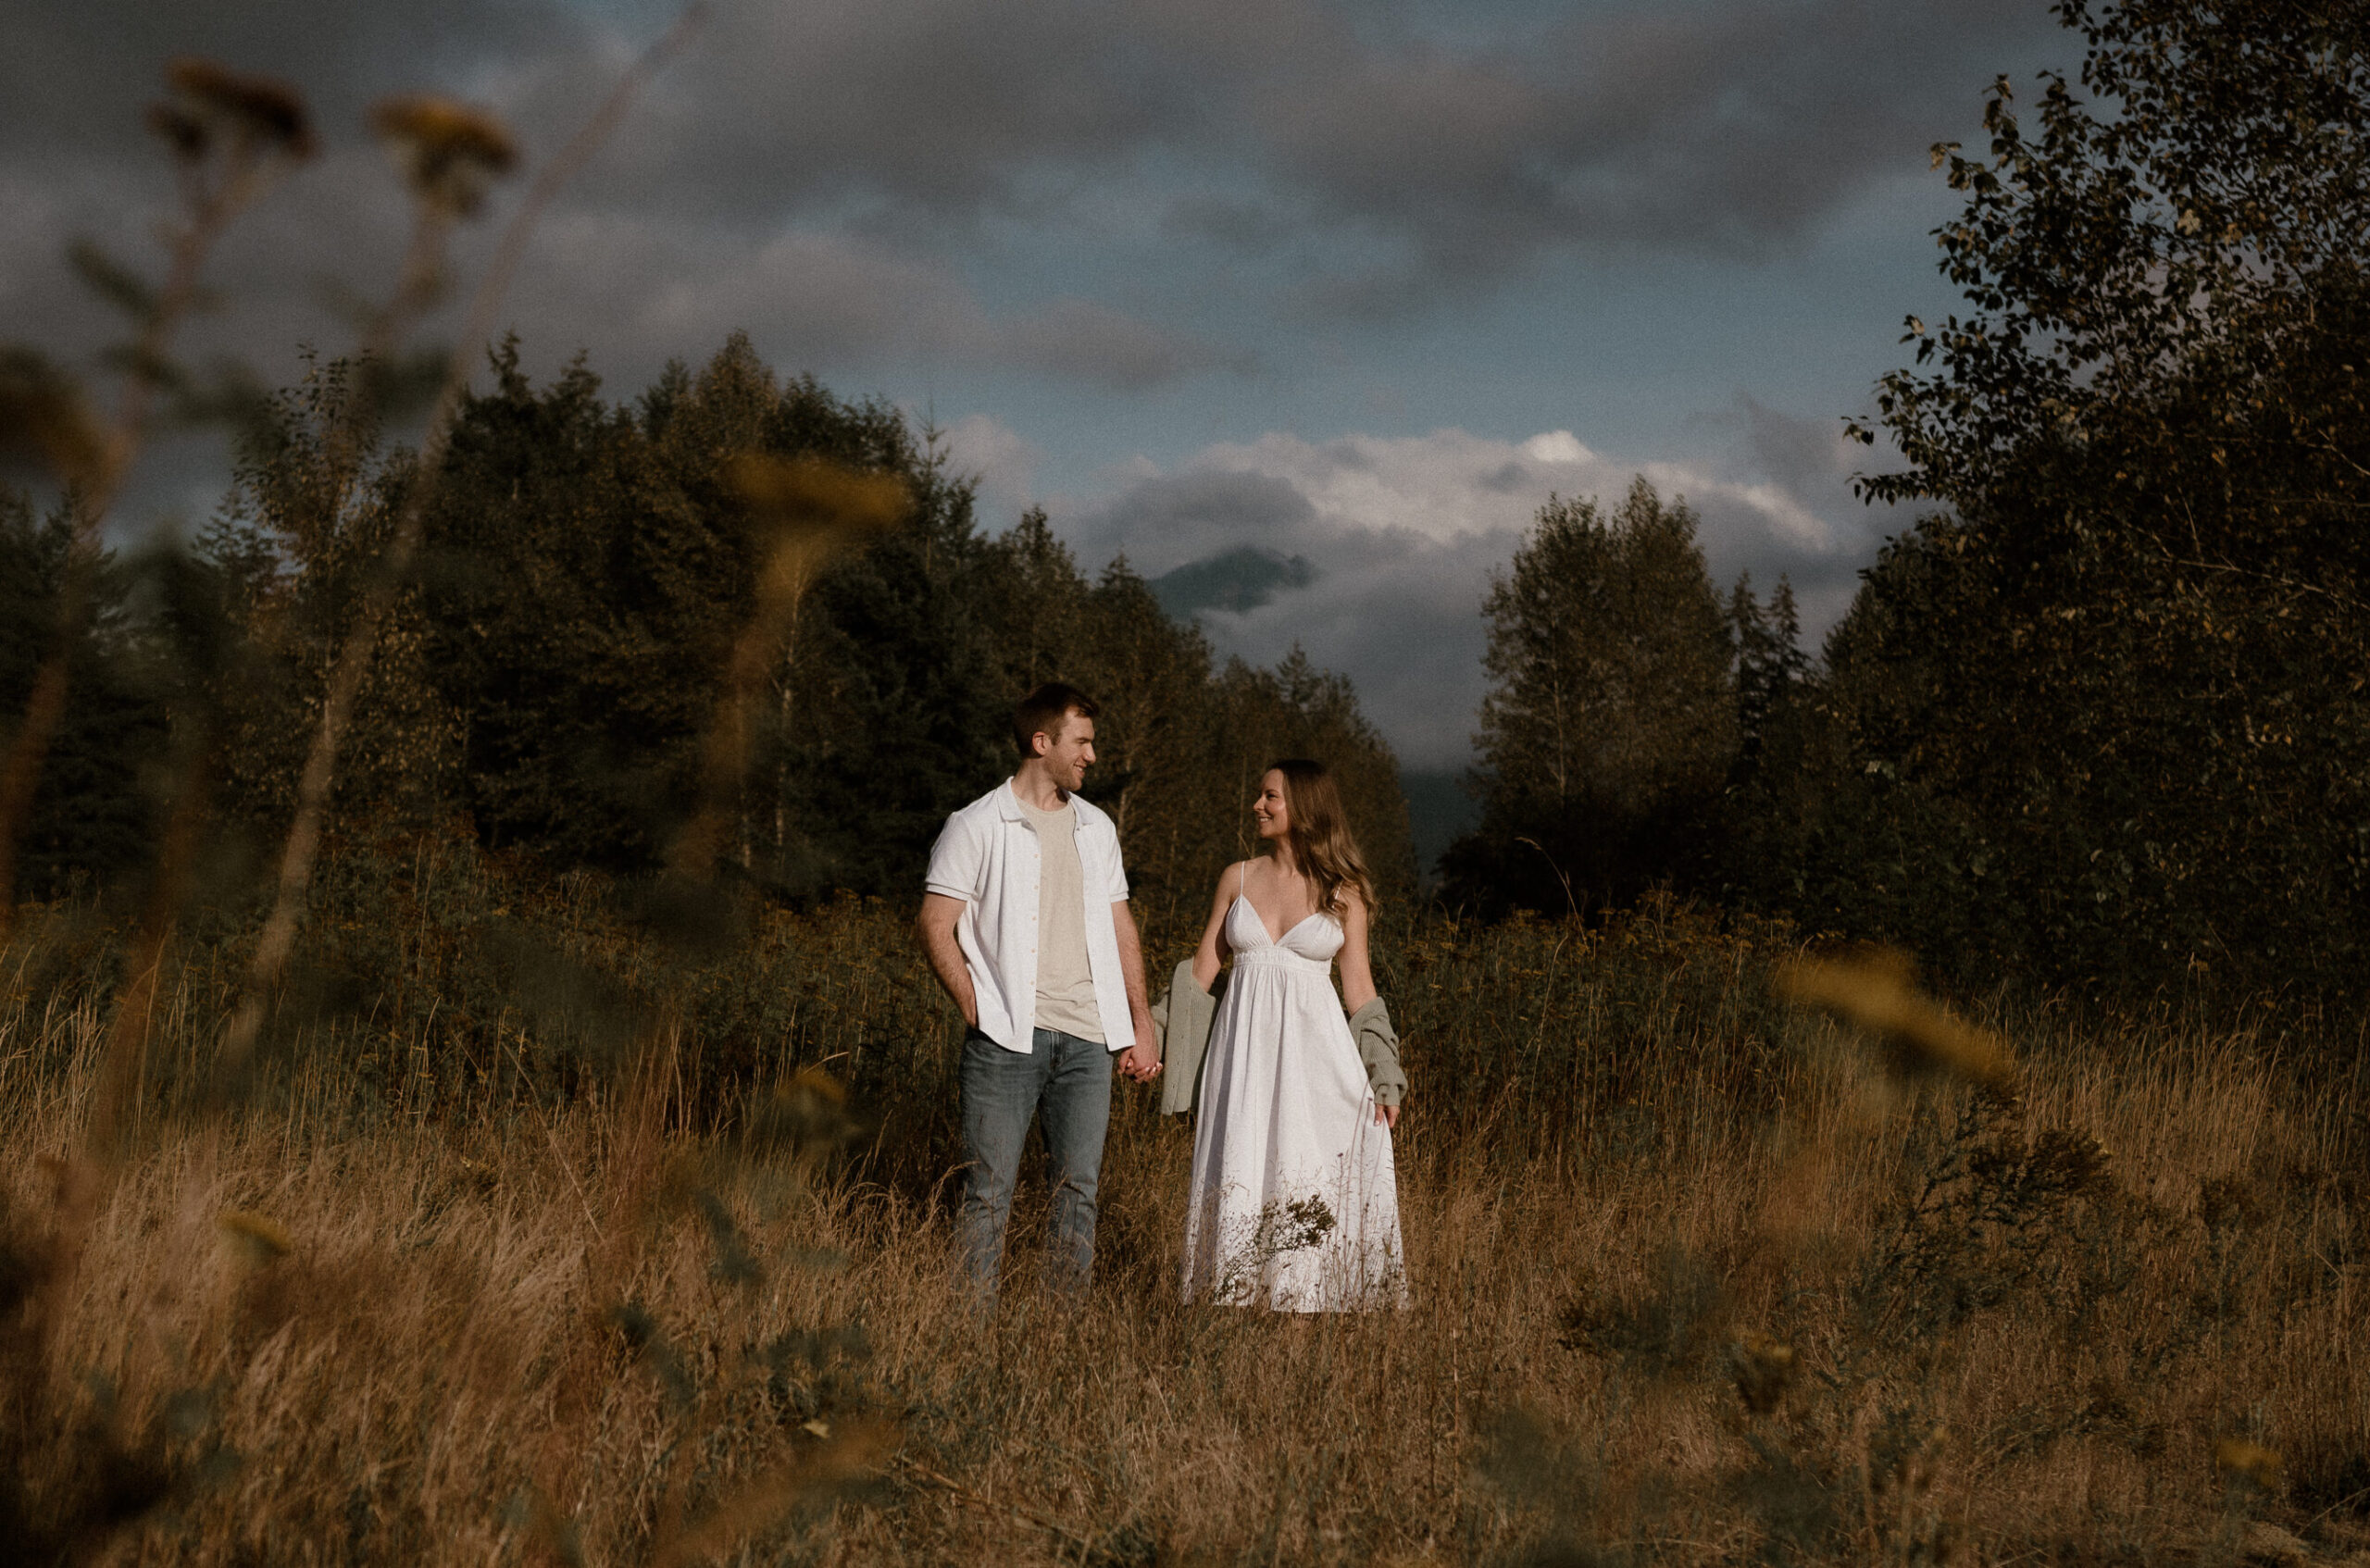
[{"x": 1319, "y": 835}]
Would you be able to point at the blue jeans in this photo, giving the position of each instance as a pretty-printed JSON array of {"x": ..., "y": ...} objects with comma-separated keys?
[{"x": 1066, "y": 1081}]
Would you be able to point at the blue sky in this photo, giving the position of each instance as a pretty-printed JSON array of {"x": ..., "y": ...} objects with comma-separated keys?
[{"x": 1360, "y": 283}]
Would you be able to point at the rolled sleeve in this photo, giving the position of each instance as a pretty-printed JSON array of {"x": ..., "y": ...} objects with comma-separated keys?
[{"x": 955, "y": 862}]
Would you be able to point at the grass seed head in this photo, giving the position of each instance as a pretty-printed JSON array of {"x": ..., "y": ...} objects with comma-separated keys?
[
  {"x": 450, "y": 151},
  {"x": 186, "y": 135}
]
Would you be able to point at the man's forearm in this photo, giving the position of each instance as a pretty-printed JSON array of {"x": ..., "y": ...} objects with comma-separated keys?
[
  {"x": 1131, "y": 966},
  {"x": 945, "y": 955}
]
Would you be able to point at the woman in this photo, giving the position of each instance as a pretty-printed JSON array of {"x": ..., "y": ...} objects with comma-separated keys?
[{"x": 1294, "y": 1203}]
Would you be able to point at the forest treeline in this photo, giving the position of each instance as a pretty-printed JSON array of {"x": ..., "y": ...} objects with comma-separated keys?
[
  {"x": 2101, "y": 717},
  {"x": 545, "y": 679}
]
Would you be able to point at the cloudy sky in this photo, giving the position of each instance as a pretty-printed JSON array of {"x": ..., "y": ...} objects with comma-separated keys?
[{"x": 1356, "y": 285}]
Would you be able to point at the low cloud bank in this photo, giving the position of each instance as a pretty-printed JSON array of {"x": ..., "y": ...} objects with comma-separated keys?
[{"x": 1375, "y": 553}]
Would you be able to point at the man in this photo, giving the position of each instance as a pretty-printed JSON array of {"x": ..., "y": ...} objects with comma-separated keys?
[{"x": 1026, "y": 923}]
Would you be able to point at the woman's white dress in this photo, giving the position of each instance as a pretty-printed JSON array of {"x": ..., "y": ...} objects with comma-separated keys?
[{"x": 1295, "y": 1201}]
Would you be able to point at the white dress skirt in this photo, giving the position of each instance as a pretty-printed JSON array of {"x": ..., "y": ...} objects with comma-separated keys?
[{"x": 1294, "y": 1204}]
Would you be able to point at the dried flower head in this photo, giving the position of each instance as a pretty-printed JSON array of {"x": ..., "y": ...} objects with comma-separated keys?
[
  {"x": 256, "y": 1236},
  {"x": 1877, "y": 990},
  {"x": 214, "y": 99},
  {"x": 450, "y": 151},
  {"x": 2246, "y": 1464},
  {"x": 1763, "y": 1369}
]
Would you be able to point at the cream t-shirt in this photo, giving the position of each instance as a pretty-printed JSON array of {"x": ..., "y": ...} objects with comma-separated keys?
[{"x": 1065, "y": 982}]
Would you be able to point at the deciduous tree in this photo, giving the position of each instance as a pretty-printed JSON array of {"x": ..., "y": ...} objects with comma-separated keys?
[
  {"x": 1611, "y": 721},
  {"x": 2101, "y": 717}
]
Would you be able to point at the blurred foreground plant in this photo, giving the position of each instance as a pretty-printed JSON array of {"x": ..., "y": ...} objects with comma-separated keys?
[
  {"x": 1876, "y": 991},
  {"x": 451, "y": 149},
  {"x": 231, "y": 137}
]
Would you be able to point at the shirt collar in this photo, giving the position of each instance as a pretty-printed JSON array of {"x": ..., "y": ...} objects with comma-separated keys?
[{"x": 1008, "y": 803}]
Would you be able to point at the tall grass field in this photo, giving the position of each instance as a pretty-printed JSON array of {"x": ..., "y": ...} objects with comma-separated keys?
[{"x": 524, "y": 1237}]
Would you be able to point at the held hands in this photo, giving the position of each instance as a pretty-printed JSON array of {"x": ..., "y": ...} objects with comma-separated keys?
[{"x": 1140, "y": 1062}]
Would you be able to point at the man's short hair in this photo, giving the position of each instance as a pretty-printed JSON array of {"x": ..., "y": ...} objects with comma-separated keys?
[{"x": 1044, "y": 711}]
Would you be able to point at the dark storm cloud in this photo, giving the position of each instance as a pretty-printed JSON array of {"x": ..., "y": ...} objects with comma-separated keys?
[
  {"x": 1718, "y": 124},
  {"x": 1083, "y": 341},
  {"x": 1689, "y": 126},
  {"x": 1165, "y": 522},
  {"x": 1397, "y": 612},
  {"x": 1379, "y": 165},
  {"x": 677, "y": 234},
  {"x": 824, "y": 299},
  {"x": 1809, "y": 458},
  {"x": 1723, "y": 127},
  {"x": 935, "y": 106},
  {"x": 616, "y": 267},
  {"x": 1812, "y": 463}
]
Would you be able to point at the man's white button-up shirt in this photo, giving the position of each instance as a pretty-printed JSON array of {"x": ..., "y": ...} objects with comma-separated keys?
[{"x": 988, "y": 856}]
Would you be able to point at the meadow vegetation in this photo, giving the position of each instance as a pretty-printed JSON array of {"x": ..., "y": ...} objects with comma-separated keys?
[{"x": 1701, "y": 1276}]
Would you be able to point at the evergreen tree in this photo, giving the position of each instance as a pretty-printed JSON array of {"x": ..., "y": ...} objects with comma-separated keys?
[
  {"x": 1034, "y": 604},
  {"x": 579, "y": 601},
  {"x": 1770, "y": 664},
  {"x": 92, "y": 814},
  {"x": 899, "y": 717},
  {"x": 587, "y": 570},
  {"x": 1152, "y": 676}
]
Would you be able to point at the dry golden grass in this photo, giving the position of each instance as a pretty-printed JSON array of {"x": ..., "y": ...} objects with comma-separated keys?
[{"x": 2128, "y": 1328}]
